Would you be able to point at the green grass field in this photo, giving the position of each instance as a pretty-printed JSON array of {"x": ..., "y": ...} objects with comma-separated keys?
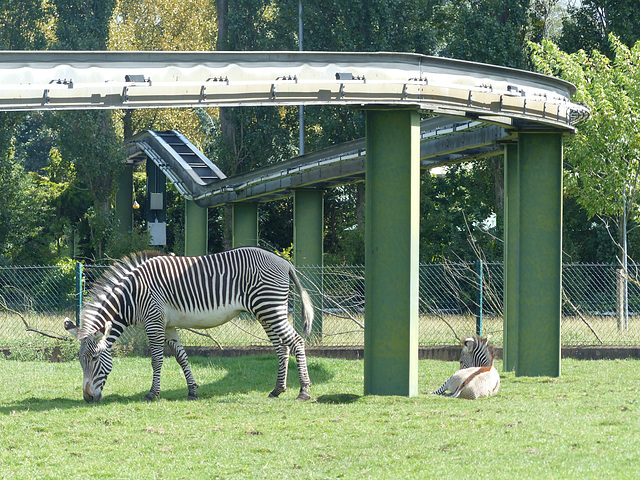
[{"x": 583, "y": 424}]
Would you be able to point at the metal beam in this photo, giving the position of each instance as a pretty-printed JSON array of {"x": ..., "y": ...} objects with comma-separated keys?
[
  {"x": 33, "y": 80},
  {"x": 443, "y": 141}
]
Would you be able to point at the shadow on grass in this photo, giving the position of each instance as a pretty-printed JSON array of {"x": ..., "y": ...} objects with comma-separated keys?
[
  {"x": 242, "y": 375},
  {"x": 339, "y": 398}
]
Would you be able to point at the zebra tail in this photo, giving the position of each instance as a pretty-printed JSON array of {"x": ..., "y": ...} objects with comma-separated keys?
[{"x": 307, "y": 306}]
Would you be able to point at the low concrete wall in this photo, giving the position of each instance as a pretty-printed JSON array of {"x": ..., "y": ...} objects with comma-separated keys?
[{"x": 444, "y": 352}]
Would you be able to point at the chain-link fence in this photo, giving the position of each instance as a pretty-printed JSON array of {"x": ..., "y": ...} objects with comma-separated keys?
[{"x": 456, "y": 299}]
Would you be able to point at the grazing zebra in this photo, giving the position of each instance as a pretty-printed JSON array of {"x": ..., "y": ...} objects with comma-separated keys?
[
  {"x": 162, "y": 293},
  {"x": 477, "y": 376}
]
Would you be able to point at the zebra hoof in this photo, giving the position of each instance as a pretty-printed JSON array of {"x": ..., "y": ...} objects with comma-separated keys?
[
  {"x": 275, "y": 393},
  {"x": 303, "y": 397},
  {"x": 150, "y": 397},
  {"x": 193, "y": 397}
]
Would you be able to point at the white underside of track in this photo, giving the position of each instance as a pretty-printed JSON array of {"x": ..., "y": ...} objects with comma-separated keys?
[{"x": 31, "y": 80}]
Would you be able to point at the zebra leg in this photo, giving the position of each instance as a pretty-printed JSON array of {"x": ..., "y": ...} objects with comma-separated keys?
[
  {"x": 283, "y": 368},
  {"x": 303, "y": 373},
  {"x": 175, "y": 345},
  {"x": 293, "y": 340},
  {"x": 283, "y": 361},
  {"x": 157, "y": 353}
]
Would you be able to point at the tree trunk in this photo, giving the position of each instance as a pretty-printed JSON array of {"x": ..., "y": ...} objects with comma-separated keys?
[{"x": 223, "y": 10}]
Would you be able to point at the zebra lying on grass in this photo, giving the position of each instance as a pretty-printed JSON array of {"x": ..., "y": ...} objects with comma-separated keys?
[
  {"x": 477, "y": 376},
  {"x": 162, "y": 293}
]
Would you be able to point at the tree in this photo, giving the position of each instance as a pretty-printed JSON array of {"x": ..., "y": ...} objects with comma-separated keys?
[
  {"x": 590, "y": 22},
  {"x": 91, "y": 140},
  {"x": 603, "y": 158},
  {"x": 24, "y": 207},
  {"x": 487, "y": 31},
  {"x": 26, "y": 24},
  {"x": 82, "y": 24}
]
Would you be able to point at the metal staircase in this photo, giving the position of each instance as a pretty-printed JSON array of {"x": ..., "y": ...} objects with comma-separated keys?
[{"x": 184, "y": 165}]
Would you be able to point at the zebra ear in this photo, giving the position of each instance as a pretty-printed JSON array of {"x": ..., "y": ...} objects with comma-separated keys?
[{"x": 70, "y": 327}]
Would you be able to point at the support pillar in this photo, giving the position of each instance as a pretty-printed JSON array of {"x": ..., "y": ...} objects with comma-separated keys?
[
  {"x": 196, "y": 231},
  {"x": 124, "y": 200},
  {"x": 245, "y": 225},
  {"x": 534, "y": 296},
  {"x": 392, "y": 201},
  {"x": 511, "y": 247},
  {"x": 308, "y": 246}
]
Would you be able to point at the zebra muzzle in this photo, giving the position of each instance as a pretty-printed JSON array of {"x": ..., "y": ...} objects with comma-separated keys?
[{"x": 89, "y": 396}]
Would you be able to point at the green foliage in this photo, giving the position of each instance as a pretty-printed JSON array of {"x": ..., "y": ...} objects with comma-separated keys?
[
  {"x": 92, "y": 141},
  {"x": 162, "y": 25},
  {"x": 25, "y": 25},
  {"x": 603, "y": 158},
  {"x": 121, "y": 244},
  {"x": 487, "y": 31},
  {"x": 34, "y": 140},
  {"x": 286, "y": 252},
  {"x": 82, "y": 24},
  {"x": 456, "y": 216},
  {"x": 23, "y": 207},
  {"x": 591, "y": 21}
]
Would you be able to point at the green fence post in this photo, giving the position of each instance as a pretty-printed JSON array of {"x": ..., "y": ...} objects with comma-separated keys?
[
  {"x": 78, "y": 292},
  {"x": 479, "y": 299}
]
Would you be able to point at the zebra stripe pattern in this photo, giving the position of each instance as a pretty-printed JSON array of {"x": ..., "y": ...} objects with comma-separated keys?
[
  {"x": 477, "y": 376},
  {"x": 162, "y": 293},
  {"x": 476, "y": 352}
]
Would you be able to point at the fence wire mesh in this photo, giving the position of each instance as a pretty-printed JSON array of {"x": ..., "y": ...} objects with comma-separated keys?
[{"x": 455, "y": 299}]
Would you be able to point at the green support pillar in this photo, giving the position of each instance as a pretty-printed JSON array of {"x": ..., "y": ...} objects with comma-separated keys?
[
  {"x": 308, "y": 230},
  {"x": 245, "y": 225},
  {"x": 511, "y": 242},
  {"x": 537, "y": 260},
  {"x": 308, "y": 227},
  {"x": 392, "y": 201},
  {"x": 124, "y": 200},
  {"x": 196, "y": 231}
]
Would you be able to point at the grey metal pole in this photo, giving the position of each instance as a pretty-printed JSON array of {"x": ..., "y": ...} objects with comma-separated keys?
[{"x": 301, "y": 107}]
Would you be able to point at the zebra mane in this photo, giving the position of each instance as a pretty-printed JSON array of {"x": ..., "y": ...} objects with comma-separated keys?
[{"x": 103, "y": 287}]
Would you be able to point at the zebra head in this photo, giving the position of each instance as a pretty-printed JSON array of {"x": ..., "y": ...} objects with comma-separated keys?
[
  {"x": 95, "y": 358},
  {"x": 476, "y": 352}
]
